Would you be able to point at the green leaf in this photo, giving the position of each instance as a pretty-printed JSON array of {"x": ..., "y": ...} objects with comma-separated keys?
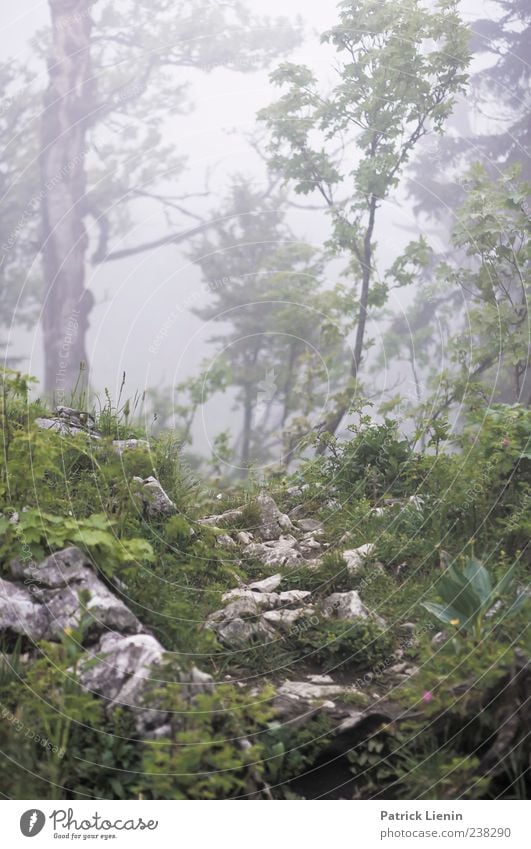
[
  {"x": 443, "y": 612},
  {"x": 478, "y": 576},
  {"x": 457, "y": 592}
]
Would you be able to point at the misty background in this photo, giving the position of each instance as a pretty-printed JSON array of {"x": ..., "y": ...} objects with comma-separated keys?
[{"x": 134, "y": 296}]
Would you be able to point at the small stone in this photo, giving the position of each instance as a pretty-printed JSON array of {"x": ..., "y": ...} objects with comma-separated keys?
[
  {"x": 320, "y": 679},
  {"x": 267, "y": 585},
  {"x": 154, "y": 499},
  {"x": 344, "y": 606},
  {"x": 225, "y": 540},
  {"x": 272, "y": 521},
  {"x": 244, "y": 537},
  {"x": 19, "y": 614},
  {"x": 121, "y": 445},
  {"x": 310, "y": 525},
  {"x": 299, "y": 489},
  {"x": 309, "y": 546},
  {"x": 284, "y": 619},
  {"x": 281, "y": 552},
  {"x": 230, "y": 518},
  {"x": 355, "y": 557},
  {"x": 240, "y": 632}
]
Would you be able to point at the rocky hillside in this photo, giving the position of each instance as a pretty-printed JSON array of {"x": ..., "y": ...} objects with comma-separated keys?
[{"x": 281, "y": 648}]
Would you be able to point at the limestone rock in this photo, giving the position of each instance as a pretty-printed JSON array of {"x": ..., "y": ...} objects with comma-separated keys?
[
  {"x": 228, "y": 519},
  {"x": 120, "y": 666},
  {"x": 245, "y": 604},
  {"x": 284, "y": 620},
  {"x": 355, "y": 557},
  {"x": 254, "y": 614},
  {"x": 273, "y": 523},
  {"x": 239, "y": 632},
  {"x": 267, "y": 585},
  {"x": 297, "y": 512},
  {"x": 244, "y": 538},
  {"x": 344, "y": 606},
  {"x": 154, "y": 499},
  {"x": 55, "y": 585},
  {"x": 303, "y": 699},
  {"x": 279, "y": 552},
  {"x": 298, "y": 490},
  {"x": 310, "y": 526},
  {"x": 226, "y": 541},
  {"x": 68, "y": 421},
  {"x": 121, "y": 445},
  {"x": 309, "y": 547},
  {"x": 19, "y": 614},
  {"x": 121, "y": 661},
  {"x": 247, "y": 601},
  {"x": 122, "y": 670},
  {"x": 321, "y": 679},
  {"x": 59, "y": 426}
]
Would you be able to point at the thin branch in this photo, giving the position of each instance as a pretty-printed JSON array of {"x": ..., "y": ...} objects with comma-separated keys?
[{"x": 171, "y": 239}]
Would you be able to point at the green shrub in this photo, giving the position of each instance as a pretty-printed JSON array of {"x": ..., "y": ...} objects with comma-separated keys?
[
  {"x": 40, "y": 534},
  {"x": 42, "y": 718},
  {"x": 216, "y": 748}
]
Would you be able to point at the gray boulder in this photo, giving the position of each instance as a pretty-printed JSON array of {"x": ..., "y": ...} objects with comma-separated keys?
[
  {"x": 279, "y": 552},
  {"x": 256, "y": 614},
  {"x": 124, "y": 671},
  {"x": 237, "y": 632},
  {"x": 273, "y": 523},
  {"x": 244, "y": 538},
  {"x": 344, "y": 606},
  {"x": 297, "y": 490},
  {"x": 267, "y": 585},
  {"x": 355, "y": 557},
  {"x": 121, "y": 445},
  {"x": 55, "y": 585},
  {"x": 303, "y": 699},
  {"x": 67, "y": 421},
  {"x": 121, "y": 670},
  {"x": 284, "y": 620},
  {"x": 228, "y": 519},
  {"x": 154, "y": 499},
  {"x": 19, "y": 613},
  {"x": 310, "y": 526},
  {"x": 121, "y": 661}
]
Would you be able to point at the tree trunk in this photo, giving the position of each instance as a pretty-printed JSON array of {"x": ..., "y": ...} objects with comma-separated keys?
[
  {"x": 247, "y": 430},
  {"x": 68, "y": 104},
  {"x": 333, "y": 421}
]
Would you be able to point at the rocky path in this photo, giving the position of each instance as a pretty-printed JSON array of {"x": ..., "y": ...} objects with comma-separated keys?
[{"x": 40, "y": 601}]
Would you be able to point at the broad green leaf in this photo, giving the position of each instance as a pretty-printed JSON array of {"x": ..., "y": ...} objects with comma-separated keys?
[
  {"x": 478, "y": 576},
  {"x": 444, "y": 613}
]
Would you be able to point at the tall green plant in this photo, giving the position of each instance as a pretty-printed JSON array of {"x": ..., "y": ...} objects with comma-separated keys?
[
  {"x": 468, "y": 596},
  {"x": 400, "y": 66}
]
